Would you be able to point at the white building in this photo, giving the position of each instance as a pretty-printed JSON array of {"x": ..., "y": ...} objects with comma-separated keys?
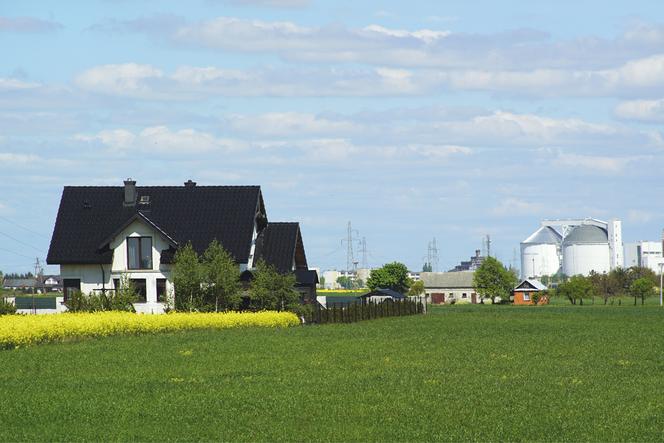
[
  {"x": 572, "y": 246},
  {"x": 647, "y": 254}
]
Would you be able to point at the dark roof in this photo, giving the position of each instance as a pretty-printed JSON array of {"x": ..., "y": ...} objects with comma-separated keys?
[
  {"x": 90, "y": 215},
  {"x": 305, "y": 277},
  {"x": 384, "y": 292},
  {"x": 280, "y": 245},
  {"x": 19, "y": 282}
]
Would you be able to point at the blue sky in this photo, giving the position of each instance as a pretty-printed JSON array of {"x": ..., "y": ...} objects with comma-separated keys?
[{"x": 414, "y": 120}]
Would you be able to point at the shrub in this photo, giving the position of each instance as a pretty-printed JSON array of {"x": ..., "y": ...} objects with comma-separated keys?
[{"x": 6, "y": 307}]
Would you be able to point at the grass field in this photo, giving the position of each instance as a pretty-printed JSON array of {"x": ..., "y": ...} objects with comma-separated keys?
[{"x": 459, "y": 373}]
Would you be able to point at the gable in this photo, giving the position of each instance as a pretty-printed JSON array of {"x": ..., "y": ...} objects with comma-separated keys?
[
  {"x": 281, "y": 245},
  {"x": 88, "y": 216}
]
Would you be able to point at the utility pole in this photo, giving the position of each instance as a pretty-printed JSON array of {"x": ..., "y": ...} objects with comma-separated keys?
[{"x": 38, "y": 272}]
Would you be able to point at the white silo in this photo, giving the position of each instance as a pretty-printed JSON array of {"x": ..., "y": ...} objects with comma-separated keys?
[
  {"x": 540, "y": 253},
  {"x": 586, "y": 249}
]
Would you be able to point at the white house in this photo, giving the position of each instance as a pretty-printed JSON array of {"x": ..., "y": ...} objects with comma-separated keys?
[{"x": 103, "y": 233}]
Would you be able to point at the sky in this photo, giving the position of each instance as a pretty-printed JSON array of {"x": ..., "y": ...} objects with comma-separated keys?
[{"x": 413, "y": 120}]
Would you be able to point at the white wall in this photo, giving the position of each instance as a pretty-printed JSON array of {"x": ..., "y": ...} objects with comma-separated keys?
[
  {"x": 580, "y": 259},
  {"x": 91, "y": 275},
  {"x": 538, "y": 259}
]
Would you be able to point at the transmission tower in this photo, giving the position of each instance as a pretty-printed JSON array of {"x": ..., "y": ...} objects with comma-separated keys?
[
  {"x": 432, "y": 255},
  {"x": 350, "y": 259},
  {"x": 363, "y": 249}
]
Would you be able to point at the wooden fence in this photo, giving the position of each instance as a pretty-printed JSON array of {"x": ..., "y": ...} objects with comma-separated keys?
[{"x": 353, "y": 312}]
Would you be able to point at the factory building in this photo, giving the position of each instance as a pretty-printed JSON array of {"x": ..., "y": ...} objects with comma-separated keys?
[
  {"x": 647, "y": 254},
  {"x": 573, "y": 246}
]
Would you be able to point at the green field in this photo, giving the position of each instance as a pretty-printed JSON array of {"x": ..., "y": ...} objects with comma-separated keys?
[{"x": 552, "y": 373}]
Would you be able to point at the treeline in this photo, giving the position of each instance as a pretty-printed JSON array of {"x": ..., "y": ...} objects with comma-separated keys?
[
  {"x": 15, "y": 276},
  {"x": 637, "y": 282}
]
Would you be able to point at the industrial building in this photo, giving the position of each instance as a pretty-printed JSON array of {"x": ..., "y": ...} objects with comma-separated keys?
[
  {"x": 647, "y": 254},
  {"x": 573, "y": 247}
]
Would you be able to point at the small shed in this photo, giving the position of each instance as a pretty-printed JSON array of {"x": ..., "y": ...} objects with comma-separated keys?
[
  {"x": 379, "y": 295},
  {"x": 530, "y": 290}
]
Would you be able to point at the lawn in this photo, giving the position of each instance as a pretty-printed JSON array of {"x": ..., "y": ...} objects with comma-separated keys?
[{"x": 589, "y": 373}]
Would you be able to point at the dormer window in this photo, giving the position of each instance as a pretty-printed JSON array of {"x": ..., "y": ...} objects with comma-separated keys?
[{"x": 139, "y": 252}]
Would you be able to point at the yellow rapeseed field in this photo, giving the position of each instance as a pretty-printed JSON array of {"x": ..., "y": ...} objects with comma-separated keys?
[{"x": 21, "y": 330}]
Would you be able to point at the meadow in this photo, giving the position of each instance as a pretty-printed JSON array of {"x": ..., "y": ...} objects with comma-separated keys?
[{"x": 554, "y": 373}]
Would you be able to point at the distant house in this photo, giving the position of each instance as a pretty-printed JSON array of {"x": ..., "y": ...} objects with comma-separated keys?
[
  {"x": 524, "y": 291},
  {"x": 104, "y": 232},
  {"x": 52, "y": 283},
  {"x": 448, "y": 287},
  {"x": 19, "y": 284},
  {"x": 379, "y": 295}
]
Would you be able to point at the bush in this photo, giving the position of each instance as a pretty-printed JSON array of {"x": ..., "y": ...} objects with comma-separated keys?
[
  {"x": 121, "y": 299},
  {"x": 6, "y": 307}
]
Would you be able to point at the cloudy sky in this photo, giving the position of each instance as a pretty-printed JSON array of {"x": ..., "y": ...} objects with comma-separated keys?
[{"x": 413, "y": 120}]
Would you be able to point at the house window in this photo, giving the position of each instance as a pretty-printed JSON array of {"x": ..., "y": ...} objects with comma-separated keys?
[
  {"x": 140, "y": 287},
  {"x": 526, "y": 296},
  {"x": 464, "y": 295},
  {"x": 161, "y": 290},
  {"x": 69, "y": 286},
  {"x": 139, "y": 252}
]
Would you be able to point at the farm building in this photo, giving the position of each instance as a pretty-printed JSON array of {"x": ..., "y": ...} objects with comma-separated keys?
[
  {"x": 446, "y": 287},
  {"x": 104, "y": 232},
  {"x": 525, "y": 291},
  {"x": 379, "y": 295}
]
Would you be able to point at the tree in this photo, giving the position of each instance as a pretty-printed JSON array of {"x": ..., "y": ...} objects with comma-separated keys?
[
  {"x": 187, "y": 278},
  {"x": 391, "y": 276},
  {"x": 641, "y": 287},
  {"x": 576, "y": 288},
  {"x": 221, "y": 278},
  {"x": 416, "y": 288},
  {"x": 492, "y": 279},
  {"x": 427, "y": 267},
  {"x": 345, "y": 282},
  {"x": 271, "y": 290}
]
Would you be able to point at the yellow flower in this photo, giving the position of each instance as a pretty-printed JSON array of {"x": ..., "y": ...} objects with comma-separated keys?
[{"x": 19, "y": 330}]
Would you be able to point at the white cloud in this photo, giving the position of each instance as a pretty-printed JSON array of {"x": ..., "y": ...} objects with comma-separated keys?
[
  {"x": 27, "y": 25},
  {"x": 273, "y": 3},
  {"x": 121, "y": 79},
  {"x": 162, "y": 140},
  {"x": 291, "y": 124},
  {"x": 439, "y": 152},
  {"x": 10, "y": 158},
  {"x": 513, "y": 206},
  {"x": 648, "y": 111},
  {"x": 11, "y": 84},
  {"x": 593, "y": 163},
  {"x": 639, "y": 216}
]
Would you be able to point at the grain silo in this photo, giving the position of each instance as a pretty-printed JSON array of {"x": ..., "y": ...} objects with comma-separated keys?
[
  {"x": 540, "y": 253},
  {"x": 586, "y": 249}
]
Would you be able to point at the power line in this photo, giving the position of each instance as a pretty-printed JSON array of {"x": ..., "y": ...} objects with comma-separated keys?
[
  {"x": 22, "y": 227},
  {"x": 16, "y": 253},
  {"x": 22, "y": 242}
]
